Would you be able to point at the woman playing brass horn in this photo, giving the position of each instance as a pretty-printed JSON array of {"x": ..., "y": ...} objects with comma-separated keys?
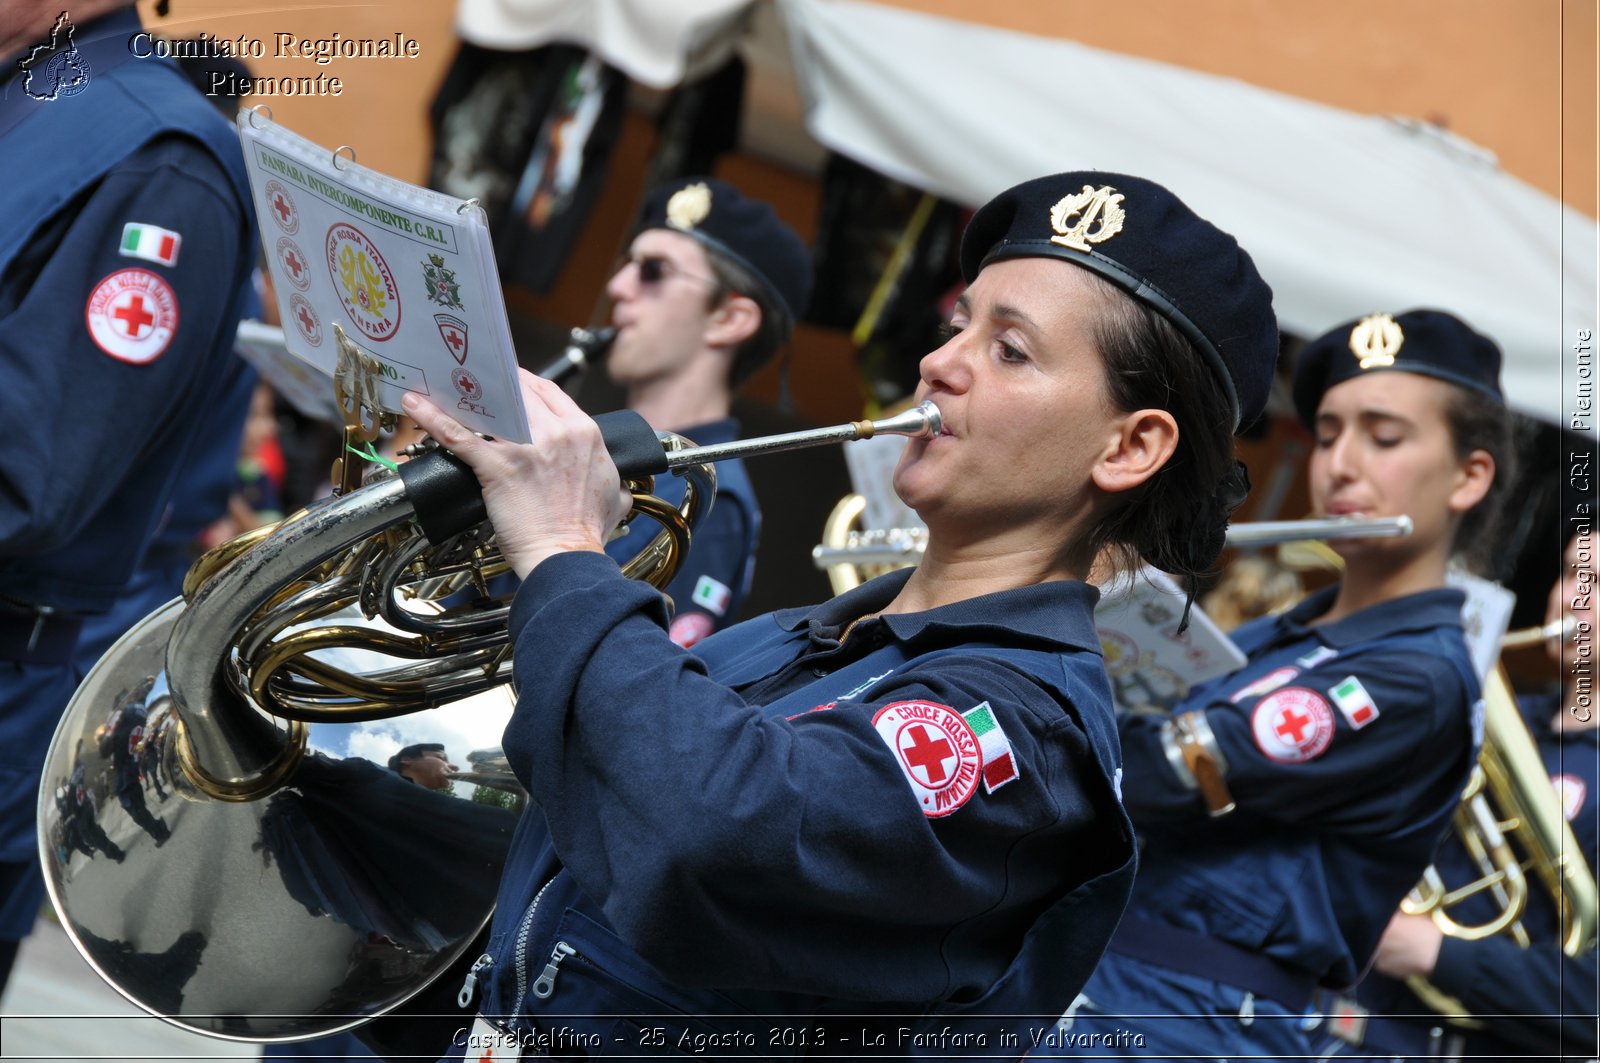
[
  {"x": 1285, "y": 809},
  {"x": 903, "y": 803}
]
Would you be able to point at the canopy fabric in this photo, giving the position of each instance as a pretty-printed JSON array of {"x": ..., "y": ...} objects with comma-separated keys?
[
  {"x": 1344, "y": 214},
  {"x": 658, "y": 43}
]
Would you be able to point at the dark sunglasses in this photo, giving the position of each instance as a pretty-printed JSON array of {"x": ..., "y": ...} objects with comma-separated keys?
[{"x": 654, "y": 269}]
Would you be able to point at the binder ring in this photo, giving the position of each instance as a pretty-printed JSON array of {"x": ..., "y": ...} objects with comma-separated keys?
[
  {"x": 467, "y": 205},
  {"x": 339, "y": 152},
  {"x": 260, "y": 110}
]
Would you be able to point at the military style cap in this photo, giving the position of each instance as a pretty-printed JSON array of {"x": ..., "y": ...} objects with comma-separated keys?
[
  {"x": 1145, "y": 240},
  {"x": 412, "y": 752},
  {"x": 1430, "y": 342},
  {"x": 745, "y": 230}
]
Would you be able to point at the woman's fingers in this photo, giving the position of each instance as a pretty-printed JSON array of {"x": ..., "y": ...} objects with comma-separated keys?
[{"x": 438, "y": 424}]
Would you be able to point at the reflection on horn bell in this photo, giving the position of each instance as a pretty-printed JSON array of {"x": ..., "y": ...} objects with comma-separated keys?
[{"x": 242, "y": 886}]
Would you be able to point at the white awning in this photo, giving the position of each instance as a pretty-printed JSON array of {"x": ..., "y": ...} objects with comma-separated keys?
[{"x": 1345, "y": 214}]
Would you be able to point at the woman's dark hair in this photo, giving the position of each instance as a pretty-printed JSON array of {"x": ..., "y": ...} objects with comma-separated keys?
[
  {"x": 769, "y": 336},
  {"x": 1177, "y": 519},
  {"x": 1478, "y": 422}
]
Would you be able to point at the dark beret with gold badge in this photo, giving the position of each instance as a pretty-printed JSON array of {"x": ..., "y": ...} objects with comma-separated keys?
[
  {"x": 747, "y": 231},
  {"x": 1430, "y": 342},
  {"x": 1145, "y": 240}
]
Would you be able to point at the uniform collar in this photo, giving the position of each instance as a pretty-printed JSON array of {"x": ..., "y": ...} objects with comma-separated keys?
[
  {"x": 1058, "y": 612},
  {"x": 1412, "y": 612}
]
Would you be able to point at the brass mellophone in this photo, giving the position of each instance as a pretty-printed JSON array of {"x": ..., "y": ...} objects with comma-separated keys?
[{"x": 358, "y": 608}]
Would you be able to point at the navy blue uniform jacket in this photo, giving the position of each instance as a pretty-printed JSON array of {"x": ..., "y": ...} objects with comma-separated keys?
[
  {"x": 793, "y": 821},
  {"x": 110, "y": 359},
  {"x": 711, "y": 584}
]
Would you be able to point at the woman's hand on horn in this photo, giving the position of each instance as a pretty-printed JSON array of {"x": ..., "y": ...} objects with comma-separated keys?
[{"x": 560, "y": 493}]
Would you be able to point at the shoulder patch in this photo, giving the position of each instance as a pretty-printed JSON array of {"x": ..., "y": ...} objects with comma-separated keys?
[
  {"x": 1292, "y": 725},
  {"x": 132, "y": 315},
  {"x": 711, "y": 595},
  {"x": 689, "y": 628},
  {"x": 1265, "y": 684},
  {"x": 936, "y": 750},
  {"x": 150, "y": 242},
  {"x": 999, "y": 761},
  {"x": 1354, "y": 701},
  {"x": 1570, "y": 790},
  {"x": 1317, "y": 656}
]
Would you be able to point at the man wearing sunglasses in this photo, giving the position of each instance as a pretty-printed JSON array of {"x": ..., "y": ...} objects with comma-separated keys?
[{"x": 708, "y": 293}]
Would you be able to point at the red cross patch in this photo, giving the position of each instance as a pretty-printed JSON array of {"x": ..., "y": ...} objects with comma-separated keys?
[
  {"x": 689, "y": 628},
  {"x": 132, "y": 315},
  {"x": 1292, "y": 725},
  {"x": 937, "y": 752},
  {"x": 1571, "y": 791}
]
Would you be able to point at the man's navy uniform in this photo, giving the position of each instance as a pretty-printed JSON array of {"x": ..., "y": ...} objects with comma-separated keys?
[
  {"x": 1529, "y": 1000},
  {"x": 820, "y": 812},
  {"x": 1345, "y": 747},
  {"x": 125, "y": 248},
  {"x": 711, "y": 584}
]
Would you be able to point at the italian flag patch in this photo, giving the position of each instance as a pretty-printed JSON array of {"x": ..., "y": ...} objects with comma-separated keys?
[
  {"x": 999, "y": 763},
  {"x": 1354, "y": 701},
  {"x": 150, "y": 242}
]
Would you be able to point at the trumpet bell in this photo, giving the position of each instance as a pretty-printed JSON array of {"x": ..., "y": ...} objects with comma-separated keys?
[{"x": 357, "y": 886}]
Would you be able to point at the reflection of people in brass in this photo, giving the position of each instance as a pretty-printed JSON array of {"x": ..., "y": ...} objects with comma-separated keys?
[
  {"x": 425, "y": 764},
  {"x": 1529, "y": 1001},
  {"x": 160, "y": 976},
  {"x": 344, "y": 839},
  {"x": 125, "y": 741},
  {"x": 79, "y": 825}
]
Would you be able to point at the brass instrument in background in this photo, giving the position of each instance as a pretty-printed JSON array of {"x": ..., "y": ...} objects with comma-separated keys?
[
  {"x": 210, "y": 867},
  {"x": 851, "y": 555},
  {"x": 1511, "y": 823}
]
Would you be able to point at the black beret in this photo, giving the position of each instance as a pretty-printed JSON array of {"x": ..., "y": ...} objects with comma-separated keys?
[
  {"x": 746, "y": 231},
  {"x": 1430, "y": 342},
  {"x": 1145, "y": 240},
  {"x": 412, "y": 752}
]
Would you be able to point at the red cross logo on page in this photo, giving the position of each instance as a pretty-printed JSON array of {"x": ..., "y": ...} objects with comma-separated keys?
[
  {"x": 936, "y": 750},
  {"x": 132, "y": 315},
  {"x": 292, "y": 260},
  {"x": 1292, "y": 725},
  {"x": 281, "y": 208},
  {"x": 453, "y": 331},
  {"x": 305, "y": 319}
]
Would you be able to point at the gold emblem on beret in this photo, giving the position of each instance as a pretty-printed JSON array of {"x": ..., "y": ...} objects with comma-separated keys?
[
  {"x": 689, "y": 206},
  {"x": 1375, "y": 341},
  {"x": 1090, "y": 207}
]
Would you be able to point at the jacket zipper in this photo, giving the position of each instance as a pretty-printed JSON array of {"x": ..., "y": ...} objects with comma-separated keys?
[
  {"x": 469, "y": 986},
  {"x": 523, "y": 930}
]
